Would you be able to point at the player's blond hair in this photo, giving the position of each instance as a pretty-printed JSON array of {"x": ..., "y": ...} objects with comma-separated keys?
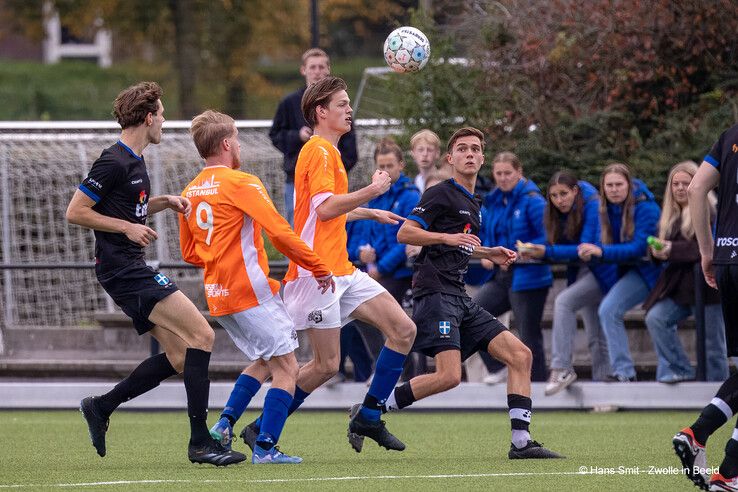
[
  {"x": 209, "y": 129},
  {"x": 427, "y": 136},
  {"x": 134, "y": 103},
  {"x": 319, "y": 94},
  {"x": 672, "y": 212},
  {"x": 314, "y": 52}
]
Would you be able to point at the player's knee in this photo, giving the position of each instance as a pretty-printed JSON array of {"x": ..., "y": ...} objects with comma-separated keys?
[
  {"x": 204, "y": 339},
  {"x": 291, "y": 368},
  {"x": 404, "y": 333},
  {"x": 521, "y": 358},
  {"x": 327, "y": 367},
  {"x": 449, "y": 380}
]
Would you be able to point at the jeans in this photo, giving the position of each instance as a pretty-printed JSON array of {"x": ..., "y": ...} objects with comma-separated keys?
[
  {"x": 582, "y": 296},
  {"x": 661, "y": 321},
  {"x": 289, "y": 202},
  {"x": 497, "y": 297},
  {"x": 626, "y": 294}
]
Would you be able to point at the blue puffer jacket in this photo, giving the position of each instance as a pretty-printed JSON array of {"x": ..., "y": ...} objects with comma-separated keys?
[
  {"x": 401, "y": 198},
  {"x": 566, "y": 250},
  {"x": 355, "y": 233},
  {"x": 646, "y": 220},
  {"x": 513, "y": 216}
]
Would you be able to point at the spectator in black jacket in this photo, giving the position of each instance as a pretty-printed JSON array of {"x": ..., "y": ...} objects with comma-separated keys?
[
  {"x": 672, "y": 298},
  {"x": 290, "y": 131}
]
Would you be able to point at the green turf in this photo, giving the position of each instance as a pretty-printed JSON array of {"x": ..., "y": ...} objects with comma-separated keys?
[{"x": 41, "y": 450}]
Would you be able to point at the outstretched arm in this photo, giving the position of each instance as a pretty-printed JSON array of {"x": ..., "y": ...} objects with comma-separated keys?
[{"x": 336, "y": 205}]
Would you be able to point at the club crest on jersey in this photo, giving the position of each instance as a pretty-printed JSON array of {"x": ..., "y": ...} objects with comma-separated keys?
[
  {"x": 142, "y": 207},
  {"x": 162, "y": 279},
  {"x": 444, "y": 328},
  {"x": 467, "y": 229},
  {"x": 316, "y": 316}
]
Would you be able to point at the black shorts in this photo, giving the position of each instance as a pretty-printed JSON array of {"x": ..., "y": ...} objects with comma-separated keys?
[
  {"x": 136, "y": 288},
  {"x": 449, "y": 322},
  {"x": 727, "y": 281}
]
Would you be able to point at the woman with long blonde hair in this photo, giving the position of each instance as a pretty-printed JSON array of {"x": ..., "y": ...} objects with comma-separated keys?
[
  {"x": 672, "y": 299},
  {"x": 628, "y": 215}
]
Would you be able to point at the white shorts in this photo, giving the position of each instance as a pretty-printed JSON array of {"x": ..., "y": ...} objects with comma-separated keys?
[
  {"x": 263, "y": 331},
  {"x": 309, "y": 308}
]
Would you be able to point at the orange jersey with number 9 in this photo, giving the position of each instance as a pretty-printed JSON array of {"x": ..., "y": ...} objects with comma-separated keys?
[{"x": 223, "y": 235}]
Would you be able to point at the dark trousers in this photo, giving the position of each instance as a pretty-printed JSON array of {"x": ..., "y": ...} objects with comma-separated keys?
[
  {"x": 497, "y": 297},
  {"x": 352, "y": 346}
]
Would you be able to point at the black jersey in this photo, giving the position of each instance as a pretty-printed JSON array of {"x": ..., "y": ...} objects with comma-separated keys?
[
  {"x": 119, "y": 184},
  {"x": 724, "y": 156},
  {"x": 448, "y": 208}
]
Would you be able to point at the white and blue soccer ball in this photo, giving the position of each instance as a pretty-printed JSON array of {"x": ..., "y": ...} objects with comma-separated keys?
[{"x": 406, "y": 49}]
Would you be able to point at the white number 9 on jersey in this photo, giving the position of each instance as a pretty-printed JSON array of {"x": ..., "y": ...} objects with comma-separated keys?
[{"x": 207, "y": 224}]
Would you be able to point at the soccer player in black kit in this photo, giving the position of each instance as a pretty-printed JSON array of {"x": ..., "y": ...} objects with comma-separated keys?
[
  {"x": 114, "y": 200},
  {"x": 719, "y": 169},
  {"x": 451, "y": 327}
]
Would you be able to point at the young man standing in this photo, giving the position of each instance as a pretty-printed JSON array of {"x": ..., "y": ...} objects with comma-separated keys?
[
  {"x": 425, "y": 148},
  {"x": 323, "y": 205},
  {"x": 290, "y": 131},
  {"x": 720, "y": 267},
  {"x": 114, "y": 201},
  {"x": 451, "y": 327},
  {"x": 223, "y": 236}
]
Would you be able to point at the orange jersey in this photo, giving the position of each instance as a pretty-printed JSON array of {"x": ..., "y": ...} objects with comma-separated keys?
[
  {"x": 223, "y": 235},
  {"x": 319, "y": 173}
]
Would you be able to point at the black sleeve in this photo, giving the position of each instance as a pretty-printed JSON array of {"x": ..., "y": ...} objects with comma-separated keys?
[
  {"x": 105, "y": 175},
  {"x": 432, "y": 205},
  {"x": 715, "y": 156},
  {"x": 347, "y": 147}
]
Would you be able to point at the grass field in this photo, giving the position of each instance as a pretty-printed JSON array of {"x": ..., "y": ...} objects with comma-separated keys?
[{"x": 466, "y": 451}]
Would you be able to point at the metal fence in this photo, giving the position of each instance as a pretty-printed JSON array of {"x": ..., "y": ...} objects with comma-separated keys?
[{"x": 41, "y": 165}]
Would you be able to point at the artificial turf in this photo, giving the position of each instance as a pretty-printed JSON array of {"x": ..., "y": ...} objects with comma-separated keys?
[{"x": 50, "y": 450}]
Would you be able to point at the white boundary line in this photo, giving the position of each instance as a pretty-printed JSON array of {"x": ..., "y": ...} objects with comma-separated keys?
[{"x": 297, "y": 480}]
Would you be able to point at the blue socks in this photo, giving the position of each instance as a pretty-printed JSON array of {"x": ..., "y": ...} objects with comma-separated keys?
[
  {"x": 276, "y": 407},
  {"x": 387, "y": 373},
  {"x": 244, "y": 390},
  {"x": 297, "y": 400}
]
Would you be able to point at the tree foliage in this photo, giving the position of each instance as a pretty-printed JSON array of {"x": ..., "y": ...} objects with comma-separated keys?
[{"x": 576, "y": 83}]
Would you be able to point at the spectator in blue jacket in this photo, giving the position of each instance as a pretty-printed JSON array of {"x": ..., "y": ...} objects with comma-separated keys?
[
  {"x": 672, "y": 299},
  {"x": 514, "y": 212},
  {"x": 385, "y": 258},
  {"x": 628, "y": 215},
  {"x": 572, "y": 217},
  {"x": 290, "y": 131}
]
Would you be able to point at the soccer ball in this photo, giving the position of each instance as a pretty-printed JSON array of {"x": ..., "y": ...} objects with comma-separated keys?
[{"x": 406, "y": 49}]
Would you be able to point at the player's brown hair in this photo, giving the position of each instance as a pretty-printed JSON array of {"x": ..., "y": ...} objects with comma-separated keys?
[
  {"x": 467, "y": 131},
  {"x": 319, "y": 94},
  {"x": 134, "y": 103},
  {"x": 209, "y": 129}
]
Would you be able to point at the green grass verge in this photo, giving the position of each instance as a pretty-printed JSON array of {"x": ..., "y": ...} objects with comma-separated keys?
[
  {"x": 459, "y": 451},
  {"x": 80, "y": 90}
]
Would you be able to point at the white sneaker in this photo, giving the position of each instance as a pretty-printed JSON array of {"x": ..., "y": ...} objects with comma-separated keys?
[
  {"x": 558, "y": 380},
  {"x": 496, "y": 377}
]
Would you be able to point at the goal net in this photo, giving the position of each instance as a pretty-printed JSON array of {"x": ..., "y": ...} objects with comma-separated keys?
[{"x": 45, "y": 274}]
